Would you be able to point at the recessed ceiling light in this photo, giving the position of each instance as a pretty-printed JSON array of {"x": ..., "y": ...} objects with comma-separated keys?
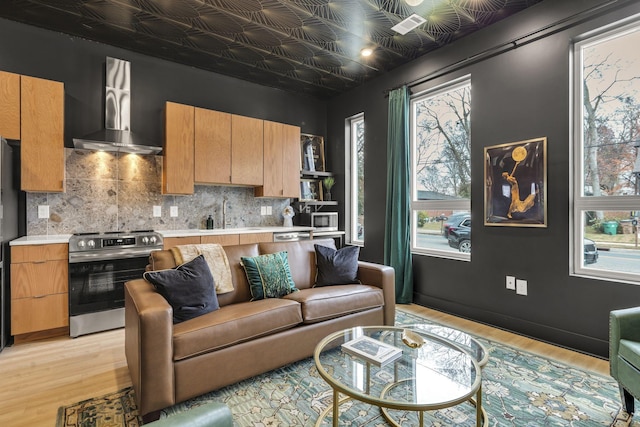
[
  {"x": 413, "y": 2},
  {"x": 367, "y": 51}
]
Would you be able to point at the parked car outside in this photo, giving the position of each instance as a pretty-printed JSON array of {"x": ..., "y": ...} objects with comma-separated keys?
[
  {"x": 590, "y": 251},
  {"x": 454, "y": 221},
  {"x": 460, "y": 236}
]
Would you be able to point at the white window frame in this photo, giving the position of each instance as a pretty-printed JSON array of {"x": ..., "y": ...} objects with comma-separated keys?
[
  {"x": 351, "y": 184},
  {"x": 583, "y": 203},
  {"x": 437, "y": 205}
]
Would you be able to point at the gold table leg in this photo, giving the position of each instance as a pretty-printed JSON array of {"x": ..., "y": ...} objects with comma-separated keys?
[{"x": 336, "y": 407}]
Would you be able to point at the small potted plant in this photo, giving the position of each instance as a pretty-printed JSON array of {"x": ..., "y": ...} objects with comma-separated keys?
[{"x": 328, "y": 183}]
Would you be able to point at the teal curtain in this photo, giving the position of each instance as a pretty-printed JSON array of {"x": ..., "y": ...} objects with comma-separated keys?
[{"x": 397, "y": 243}]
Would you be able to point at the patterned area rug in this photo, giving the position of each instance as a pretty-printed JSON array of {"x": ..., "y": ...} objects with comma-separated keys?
[{"x": 519, "y": 389}]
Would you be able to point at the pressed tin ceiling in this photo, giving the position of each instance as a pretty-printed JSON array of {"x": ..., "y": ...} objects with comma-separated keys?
[{"x": 305, "y": 46}]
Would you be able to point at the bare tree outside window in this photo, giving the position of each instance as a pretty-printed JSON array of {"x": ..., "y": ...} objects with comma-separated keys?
[
  {"x": 443, "y": 144},
  {"x": 607, "y": 191}
]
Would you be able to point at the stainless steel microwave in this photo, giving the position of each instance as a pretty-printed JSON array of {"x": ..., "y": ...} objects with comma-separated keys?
[{"x": 320, "y": 221}]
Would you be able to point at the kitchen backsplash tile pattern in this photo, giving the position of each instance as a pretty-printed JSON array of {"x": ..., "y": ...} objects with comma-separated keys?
[{"x": 117, "y": 192}]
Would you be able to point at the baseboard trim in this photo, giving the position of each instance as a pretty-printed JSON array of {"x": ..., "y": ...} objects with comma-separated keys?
[{"x": 559, "y": 337}]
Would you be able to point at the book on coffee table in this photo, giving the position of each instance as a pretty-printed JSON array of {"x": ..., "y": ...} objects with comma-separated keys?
[{"x": 371, "y": 350}]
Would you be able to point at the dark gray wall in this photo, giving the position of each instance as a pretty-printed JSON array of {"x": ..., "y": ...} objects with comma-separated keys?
[
  {"x": 79, "y": 64},
  {"x": 516, "y": 95}
]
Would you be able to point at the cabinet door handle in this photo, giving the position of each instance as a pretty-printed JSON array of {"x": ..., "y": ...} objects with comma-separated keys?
[
  {"x": 39, "y": 296},
  {"x": 40, "y": 262}
]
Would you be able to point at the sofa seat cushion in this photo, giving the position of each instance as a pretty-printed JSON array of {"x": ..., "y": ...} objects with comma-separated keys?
[
  {"x": 630, "y": 351},
  {"x": 329, "y": 302},
  {"x": 233, "y": 324}
]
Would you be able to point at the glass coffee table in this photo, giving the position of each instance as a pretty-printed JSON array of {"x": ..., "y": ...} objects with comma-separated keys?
[{"x": 438, "y": 374}]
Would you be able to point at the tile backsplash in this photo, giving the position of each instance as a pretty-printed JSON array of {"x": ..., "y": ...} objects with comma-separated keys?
[{"x": 117, "y": 192}]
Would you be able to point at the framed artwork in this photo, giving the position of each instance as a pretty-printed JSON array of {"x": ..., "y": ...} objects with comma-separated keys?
[
  {"x": 311, "y": 190},
  {"x": 312, "y": 151},
  {"x": 515, "y": 184}
]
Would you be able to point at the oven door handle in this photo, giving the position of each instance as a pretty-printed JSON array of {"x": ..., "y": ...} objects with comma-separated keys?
[{"x": 106, "y": 256}]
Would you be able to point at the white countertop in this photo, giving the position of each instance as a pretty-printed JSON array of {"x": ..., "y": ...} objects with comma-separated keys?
[
  {"x": 64, "y": 238},
  {"x": 41, "y": 240},
  {"x": 221, "y": 231}
]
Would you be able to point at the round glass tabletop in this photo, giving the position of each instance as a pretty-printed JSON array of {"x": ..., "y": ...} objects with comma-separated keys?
[{"x": 435, "y": 375}]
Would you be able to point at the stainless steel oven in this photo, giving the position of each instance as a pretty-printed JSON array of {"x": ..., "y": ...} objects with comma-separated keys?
[{"x": 99, "y": 266}]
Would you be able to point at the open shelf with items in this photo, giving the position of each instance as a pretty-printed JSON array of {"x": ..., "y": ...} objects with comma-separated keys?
[
  {"x": 312, "y": 205},
  {"x": 314, "y": 174}
]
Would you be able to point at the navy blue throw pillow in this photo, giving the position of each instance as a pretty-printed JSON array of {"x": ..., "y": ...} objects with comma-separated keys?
[
  {"x": 189, "y": 288},
  {"x": 337, "y": 267}
]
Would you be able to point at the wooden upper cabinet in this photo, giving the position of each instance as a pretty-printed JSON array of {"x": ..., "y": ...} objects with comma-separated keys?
[
  {"x": 281, "y": 161},
  {"x": 9, "y": 105},
  {"x": 273, "y": 161},
  {"x": 178, "y": 161},
  {"x": 42, "y": 135},
  {"x": 212, "y": 147},
  {"x": 246, "y": 151},
  {"x": 291, "y": 162}
]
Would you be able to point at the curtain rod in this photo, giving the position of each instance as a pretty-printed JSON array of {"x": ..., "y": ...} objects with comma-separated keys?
[{"x": 539, "y": 34}]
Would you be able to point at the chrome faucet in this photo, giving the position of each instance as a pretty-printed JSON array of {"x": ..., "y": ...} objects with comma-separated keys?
[{"x": 224, "y": 213}]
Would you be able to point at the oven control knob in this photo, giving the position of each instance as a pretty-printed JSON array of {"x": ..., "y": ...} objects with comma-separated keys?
[
  {"x": 81, "y": 244},
  {"x": 152, "y": 240},
  {"x": 91, "y": 244},
  {"x": 145, "y": 240}
]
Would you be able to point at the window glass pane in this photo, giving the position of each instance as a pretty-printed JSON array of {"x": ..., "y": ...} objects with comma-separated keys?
[
  {"x": 611, "y": 115},
  {"x": 358, "y": 154},
  {"x": 610, "y": 241},
  {"x": 442, "y": 126},
  {"x": 441, "y": 230}
]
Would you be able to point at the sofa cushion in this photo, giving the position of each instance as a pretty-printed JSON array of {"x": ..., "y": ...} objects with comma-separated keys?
[
  {"x": 630, "y": 351},
  {"x": 337, "y": 267},
  {"x": 269, "y": 275},
  {"x": 188, "y": 288},
  {"x": 233, "y": 324},
  {"x": 329, "y": 302}
]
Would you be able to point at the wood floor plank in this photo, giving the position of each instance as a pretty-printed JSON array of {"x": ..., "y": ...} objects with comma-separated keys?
[{"x": 39, "y": 377}]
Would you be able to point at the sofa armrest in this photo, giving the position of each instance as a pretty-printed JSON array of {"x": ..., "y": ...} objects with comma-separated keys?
[
  {"x": 212, "y": 414},
  {"x": 623, "y": 324},
  {"x": 383, "y": 277},
  {"x": 149, "y": 346}
]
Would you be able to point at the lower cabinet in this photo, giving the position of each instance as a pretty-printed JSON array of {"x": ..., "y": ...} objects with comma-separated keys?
[
  {"x": 39, "y": 288},
  {"x": 220, "y": 239}
]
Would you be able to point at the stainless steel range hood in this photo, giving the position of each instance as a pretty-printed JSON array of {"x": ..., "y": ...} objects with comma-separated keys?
[{"x": 117, "y": 135}]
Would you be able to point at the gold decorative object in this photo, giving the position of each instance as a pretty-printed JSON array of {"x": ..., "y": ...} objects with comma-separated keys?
[{"x": 412, "y": 339}]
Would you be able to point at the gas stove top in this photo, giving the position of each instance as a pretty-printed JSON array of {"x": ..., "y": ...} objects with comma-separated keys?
[{"x": 115, "y": 241}]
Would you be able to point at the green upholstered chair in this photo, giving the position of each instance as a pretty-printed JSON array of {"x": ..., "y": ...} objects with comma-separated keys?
[
  {"x": 212, "y": 414},
  {"x": 624, "y": 353}
]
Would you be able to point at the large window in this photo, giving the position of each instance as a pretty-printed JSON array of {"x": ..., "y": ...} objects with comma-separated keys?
[
  {"x": 607, "y": 164},
  {"x": 441, "y": 169},
  {"x": 355, "y": 168}
]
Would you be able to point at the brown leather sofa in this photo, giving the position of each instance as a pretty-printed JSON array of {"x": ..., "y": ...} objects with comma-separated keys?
[{"x": 172, "y": 363}]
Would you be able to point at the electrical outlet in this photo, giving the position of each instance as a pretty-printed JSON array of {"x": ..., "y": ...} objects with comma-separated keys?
[
  {"x": 157, "y": 211},
  {"x": 263, "y": 210},
  {"x": 511, "y": 283},
  {"x": 269, "y": 210},
  {"x": 43, "y": 211},
  {"x": 521, "y": 287},
  {"x": 173, "y": 211}
]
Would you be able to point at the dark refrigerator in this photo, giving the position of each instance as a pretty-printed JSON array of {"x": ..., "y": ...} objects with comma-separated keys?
[{"x": 11, "y": 200}]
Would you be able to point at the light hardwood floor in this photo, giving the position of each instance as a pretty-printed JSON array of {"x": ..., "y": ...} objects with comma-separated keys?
[{"x": 37, "y": 378}]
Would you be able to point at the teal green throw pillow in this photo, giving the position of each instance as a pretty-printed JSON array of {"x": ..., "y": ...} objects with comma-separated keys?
[{"x": 269, "y": 275}]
